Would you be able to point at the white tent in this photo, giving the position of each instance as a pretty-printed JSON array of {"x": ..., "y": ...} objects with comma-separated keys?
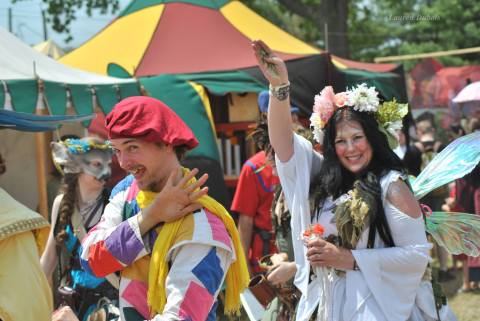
[
  {"x": 49, "y": 48},
  {"x": 20, "y": 61}
]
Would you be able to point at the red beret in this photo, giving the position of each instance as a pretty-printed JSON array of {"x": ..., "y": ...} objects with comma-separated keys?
[{"x": 148, "y": 119}]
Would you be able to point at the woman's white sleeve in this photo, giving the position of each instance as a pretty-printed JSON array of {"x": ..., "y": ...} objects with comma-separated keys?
[{"x": 295, "y": 180}]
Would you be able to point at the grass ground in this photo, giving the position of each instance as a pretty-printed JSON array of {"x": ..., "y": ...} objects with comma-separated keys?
[{"x": 466, "y": 306}]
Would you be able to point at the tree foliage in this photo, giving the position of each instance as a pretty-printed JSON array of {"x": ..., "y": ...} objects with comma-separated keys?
[
  {"x": 392, "y": 27},
  {"x": 385, "y": 27},
  {"x": 61, "y": 13}
]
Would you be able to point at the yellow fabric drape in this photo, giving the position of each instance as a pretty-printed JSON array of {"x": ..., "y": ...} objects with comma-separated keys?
[
  {"x": 237, "y": 275},
  {"x": 24, "y": 290}
]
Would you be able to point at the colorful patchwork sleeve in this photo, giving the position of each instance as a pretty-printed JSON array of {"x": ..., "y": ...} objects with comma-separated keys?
[
  {"x": 113, "y": 243},
  {"x": 194, "y": 281}
]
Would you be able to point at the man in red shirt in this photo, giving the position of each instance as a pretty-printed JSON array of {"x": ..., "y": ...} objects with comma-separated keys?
[{"x": 254, "y": 196}]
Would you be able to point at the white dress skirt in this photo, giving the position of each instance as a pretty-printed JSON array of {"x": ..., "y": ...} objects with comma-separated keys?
[{"x": 392, "y": 283}]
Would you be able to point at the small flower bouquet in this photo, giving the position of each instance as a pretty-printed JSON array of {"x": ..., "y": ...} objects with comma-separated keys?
[
  {"x": 313, "y": 232},
  {"x": 324, "y": 274}
]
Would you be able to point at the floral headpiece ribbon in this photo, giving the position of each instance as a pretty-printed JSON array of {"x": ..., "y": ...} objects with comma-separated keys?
[{"x": 361, "y": 98}]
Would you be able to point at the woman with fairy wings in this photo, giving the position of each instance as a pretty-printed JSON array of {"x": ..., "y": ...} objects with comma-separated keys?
[
  {"x": 85, "y": 165},
  {"x": 378, "y": 268}
]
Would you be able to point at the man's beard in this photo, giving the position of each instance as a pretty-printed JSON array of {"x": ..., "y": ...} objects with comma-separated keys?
[{"x": 153, "y": 187}]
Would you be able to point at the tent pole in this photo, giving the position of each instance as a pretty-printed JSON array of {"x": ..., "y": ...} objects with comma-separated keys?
[{"x": 41, "y": 147}]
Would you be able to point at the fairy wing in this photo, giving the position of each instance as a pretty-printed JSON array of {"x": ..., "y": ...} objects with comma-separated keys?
[
  {"x": 457, "y": 160},
  {"x": 456, "y": 232}
]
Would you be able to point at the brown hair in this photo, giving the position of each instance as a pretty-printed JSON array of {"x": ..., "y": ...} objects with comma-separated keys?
[
  {"x": 66, "y": 208},
  {"x": 180, "y": 150}
]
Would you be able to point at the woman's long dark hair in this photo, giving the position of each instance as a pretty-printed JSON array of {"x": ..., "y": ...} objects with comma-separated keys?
[{"x": 335, "y": 180}]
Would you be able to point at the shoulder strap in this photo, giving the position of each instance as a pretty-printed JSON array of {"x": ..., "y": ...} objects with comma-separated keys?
[{"x": 260, "y": 179}]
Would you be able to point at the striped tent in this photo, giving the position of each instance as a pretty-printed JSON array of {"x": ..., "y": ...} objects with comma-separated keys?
[{"x": 155, "y": 37}]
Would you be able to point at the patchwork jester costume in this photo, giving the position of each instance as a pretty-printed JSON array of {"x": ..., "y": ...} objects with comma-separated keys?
[{"x": 179, "y": 266}]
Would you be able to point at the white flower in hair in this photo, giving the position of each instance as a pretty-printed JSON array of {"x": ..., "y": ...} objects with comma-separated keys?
[
  {"x": 316, "y": 125},
  {"x": 363, "y": 98}
]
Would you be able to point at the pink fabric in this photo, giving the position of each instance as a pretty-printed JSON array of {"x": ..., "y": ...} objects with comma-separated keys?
[
  {"x": 219, "y": 232},
  {"x": 132, "y": 192},
  {"x": 135, "y": 294},
  {"x": 196, "y": 304}
]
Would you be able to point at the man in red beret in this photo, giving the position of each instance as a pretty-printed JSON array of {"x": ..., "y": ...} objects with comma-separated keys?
[{"x": 181, "y": 274}]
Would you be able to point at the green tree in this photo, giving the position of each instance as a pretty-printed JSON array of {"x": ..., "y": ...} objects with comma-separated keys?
[
  {"x": 61, "y": 13},
  {"x": 389, "y": 27}
]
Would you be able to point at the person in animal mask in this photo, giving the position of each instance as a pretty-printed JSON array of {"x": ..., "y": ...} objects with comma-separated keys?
[{"x": 85, "y": 165}]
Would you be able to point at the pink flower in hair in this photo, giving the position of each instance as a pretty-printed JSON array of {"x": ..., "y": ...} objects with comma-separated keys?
[
  {"x": 323, "y": 108},
  {"x": 325, "y": 104},
  {"x": 341, "y": 99}
]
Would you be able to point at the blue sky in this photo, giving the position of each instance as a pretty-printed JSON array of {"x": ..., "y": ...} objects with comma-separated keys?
[{"x": 27, "y": 22}]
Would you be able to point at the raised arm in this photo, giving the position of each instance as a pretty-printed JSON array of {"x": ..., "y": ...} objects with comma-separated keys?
[{"x": 279, "y": 117}]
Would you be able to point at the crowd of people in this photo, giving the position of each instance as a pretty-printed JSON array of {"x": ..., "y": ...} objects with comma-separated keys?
[{"x": 326, "y": 214}]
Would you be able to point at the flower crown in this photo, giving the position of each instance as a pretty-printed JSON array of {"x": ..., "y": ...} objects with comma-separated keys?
[
  {"x": 81, "y": 146},
  {"x": 361, "y": 98}
]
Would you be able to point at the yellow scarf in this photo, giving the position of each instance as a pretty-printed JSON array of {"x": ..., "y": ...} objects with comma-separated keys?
[{"x": 237, "y": 276}]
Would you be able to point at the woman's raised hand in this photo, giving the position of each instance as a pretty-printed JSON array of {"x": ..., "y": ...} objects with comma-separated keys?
[{"x": 272, "y": 66}]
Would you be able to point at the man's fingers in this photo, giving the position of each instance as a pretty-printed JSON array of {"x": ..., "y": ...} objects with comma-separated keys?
[
  {"x": 187, "y": 177},
  {"x": 197, "y": 194},
  {"x": 190, "y": 208},
  {"x": 197, "y": 184},
  {"x": 171, "y": 178}
]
